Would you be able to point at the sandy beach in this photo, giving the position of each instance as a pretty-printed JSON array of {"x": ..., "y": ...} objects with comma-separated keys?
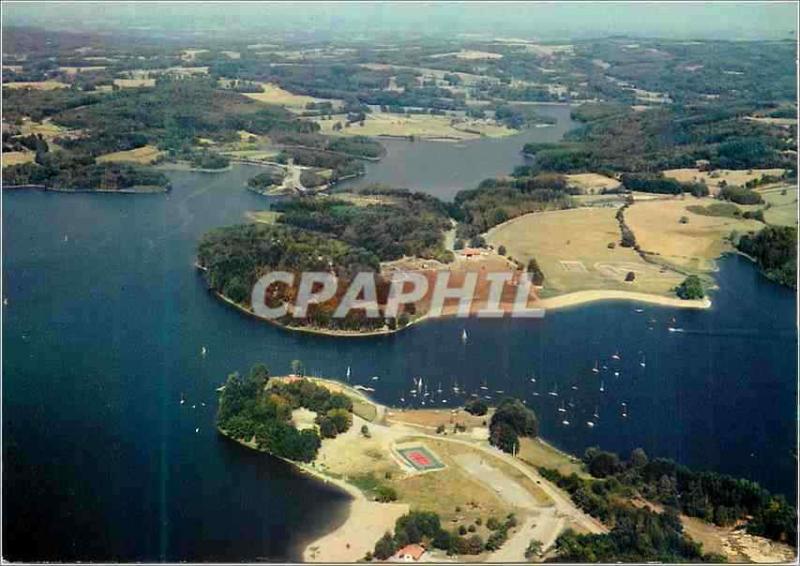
[
  {"x": 582, "y": 297},
  {"x": 366, "y": 522}
]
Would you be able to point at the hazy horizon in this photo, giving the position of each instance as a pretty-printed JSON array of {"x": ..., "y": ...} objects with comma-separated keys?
[{"x": 548, "y": 21}]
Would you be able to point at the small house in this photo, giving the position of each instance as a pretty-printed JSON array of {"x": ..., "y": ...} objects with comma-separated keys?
[{"x": 410, "y": 553}]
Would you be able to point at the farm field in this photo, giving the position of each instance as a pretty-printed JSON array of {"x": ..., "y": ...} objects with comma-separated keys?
[
  {"x": 591, "y": 183},
  {"x": 134, "y": 83},
  {"x": 420, "y": 126},
  {"x": 273, "y": 94},
  {"x": 572, "y": 249},
  {"x": 141, "y": 155},
  {"x": 37, "y": 85},
  {"x": 783, "y": 207},
  {"x": 714, "y": 178},
  {"x": 17, "y": 157},
  {"x": 693, "y": 245}
]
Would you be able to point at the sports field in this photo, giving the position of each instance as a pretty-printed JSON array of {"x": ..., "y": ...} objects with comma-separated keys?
[{"x": 420, "y": 458}]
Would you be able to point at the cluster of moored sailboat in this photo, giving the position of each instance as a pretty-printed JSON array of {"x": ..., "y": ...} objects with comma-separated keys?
[{"x": 420, "y": 392}]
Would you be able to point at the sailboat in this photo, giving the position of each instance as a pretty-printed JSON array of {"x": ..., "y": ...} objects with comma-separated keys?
[
  {"x": 615, "y": 356},
  {"x": 624, "y": 410},
  {"x": 203, "y": 351},
  {"x": 596, "y": 414},
  {"x": 554, "y": 392},
  {"x": 182, "y": 399},
  {"x": 616, "y": 374},
  {"x": 602, "y": 387},
  {"x": 533, "y": 379},
  {"x": 565, "y": 422},
  {"x": 375, "y": 378},
  {"x": 574, "y": 387},
  {"x": 590, "y": 424},
  {"x": 439, "y": 391},
  {"x": 348, "y": 374},
  {"x": 562, "y": 408},
  {"x": 484, "y": 387},
  {"x": 596, "y": 368},
  {"x": 455, "y": 386},
  {"x": 464, "y": 336},
  {"x": 643, "y": 363}
]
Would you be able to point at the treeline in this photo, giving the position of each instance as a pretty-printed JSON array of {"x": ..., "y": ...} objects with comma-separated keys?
[
  {"x": 255, "y": 409},
  {"x": 667, "y": 138},
  {"x": 360, "y": 147},
  {"x": 425, "y": 527},
  {"x": 658, "y": 183},
  {"x": 406, "y": 224},
  {"x": 342, "y": 165},
  {"x": 62, "y": 171},
  {"x": 713, "y": 497},
  {"x": 774, "y": 249},
  {"x": 495, "y": 201}
]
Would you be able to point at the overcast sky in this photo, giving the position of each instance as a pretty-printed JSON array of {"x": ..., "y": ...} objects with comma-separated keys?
[{"x": 728, "y": 20}]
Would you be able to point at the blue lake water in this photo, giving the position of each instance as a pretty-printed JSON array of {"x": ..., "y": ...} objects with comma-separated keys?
[{"x": 102, "y": 335}]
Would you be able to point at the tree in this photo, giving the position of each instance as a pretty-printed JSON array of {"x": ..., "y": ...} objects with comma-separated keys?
[
  {"x": 385, "y": 547},
  {"x": 477, "y": 407},
  {"x": 365, "y": 431},
  {"x": 520, "y": 418},
  {"x": 534, "y": 549},
  {"x": 691, "y": 288},
  {"x": 385, "y": 494},
  {"x": 600, "y": 463},
  {"x": 297, "y": 367},
  {"x": 504, "y": 437},
  {"x": 535, "y": 272},
  {"x": 630, "y": 277},
  {"x": 638, "y": 458},
  {"x": 501, "y": 250}
]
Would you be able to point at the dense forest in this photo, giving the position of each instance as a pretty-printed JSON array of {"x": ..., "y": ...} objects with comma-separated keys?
[
  {"x": 256, "y": 409},
  {"x": 234, "y": 257},
  {"x": 713, "y": 497},
  {"x": 666, "y": 138},
  {"x": 774, "y": 248},
  {"x": 404, "y": 224},
  {"x": 495, "y": 201}
]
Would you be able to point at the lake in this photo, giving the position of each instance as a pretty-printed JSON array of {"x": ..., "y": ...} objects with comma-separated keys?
[
  {"x": 444, "y": 168},
  {"x": 103, "y": 331}
]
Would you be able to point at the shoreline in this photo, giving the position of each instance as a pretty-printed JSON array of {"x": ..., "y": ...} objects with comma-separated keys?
[
  {"x": 568, "y": 300},
  {"x": 141, "y": 190}
]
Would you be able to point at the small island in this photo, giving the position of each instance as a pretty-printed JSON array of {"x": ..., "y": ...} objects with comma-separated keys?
[{"x": 475, "y": 483}]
